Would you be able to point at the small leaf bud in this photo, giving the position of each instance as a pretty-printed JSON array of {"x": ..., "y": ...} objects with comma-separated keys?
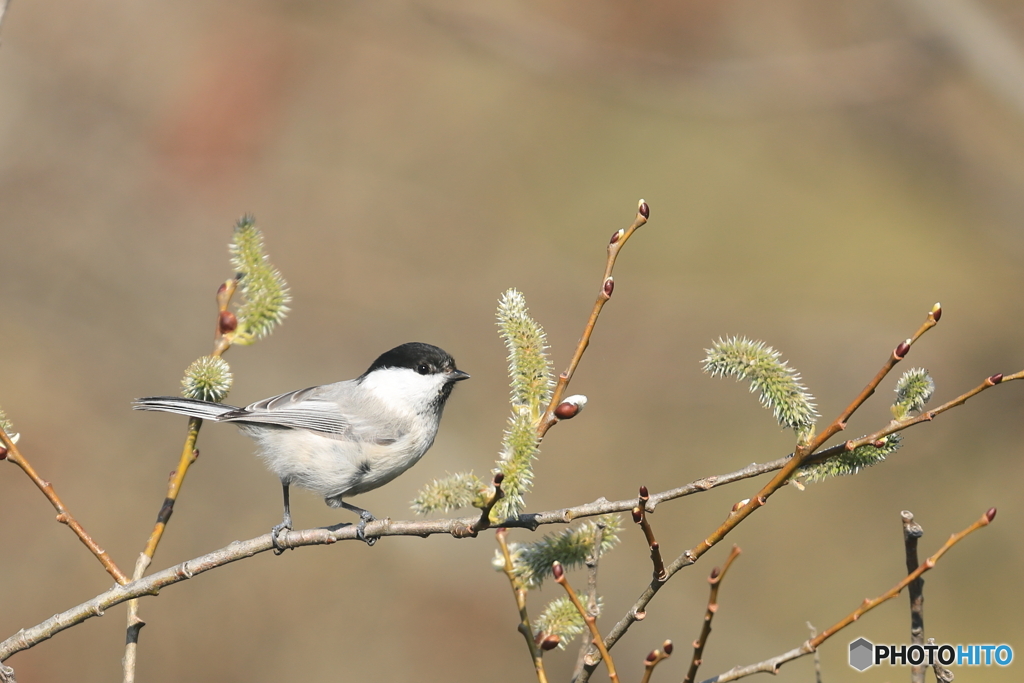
[
  {"x": 608, "y": 287},
  {"x": 498, "y": 478},
  {"x": 667, "y": 647},
  {"x": 996, "y": 378},
  {"x": 571, "y": 407},
  {"x": 902, "y": 350},
  {"x": 557, "y": 571},
  {"x": 643, "y": 493},
  {"x": 227, "y": 322},
  {"x": 740, "y": 504},
  {"x": 991, "y": 514},
  {"x": 616, "y": 236},
  {"x": 643, "y": 209},
  {"x": 715, "y": 572},
  {"x": 638, "y": 514},
  {"x": 3, "y": 452},
  {"x": 550, "y": 642},
  {"x": 936, "y": 312},
  {"x": 652, "y": 657}
]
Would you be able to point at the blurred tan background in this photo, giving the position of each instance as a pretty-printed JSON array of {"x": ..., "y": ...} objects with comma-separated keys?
[{"x": 818, "y": 175}]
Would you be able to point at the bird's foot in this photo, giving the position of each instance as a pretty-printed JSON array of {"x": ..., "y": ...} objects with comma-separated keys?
[
  {"x": 364, "y": 518},
  {"x": 275, "y": 532}
]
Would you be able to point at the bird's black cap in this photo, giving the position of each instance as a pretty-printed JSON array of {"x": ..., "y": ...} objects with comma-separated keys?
[{"x": 425, "y": 359}]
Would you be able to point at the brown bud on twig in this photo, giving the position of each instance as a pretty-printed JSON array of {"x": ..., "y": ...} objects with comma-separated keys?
[
  {"x": 571, "y": 407},
  {"x": 715, "y": 572},
  {"x": 638, "y": 515},
  {"x": 740, "y": 504},
  {"x": 644, "y": 210},
  {"x": 902, "y": 350},
  {"x": 936, "y": 312},
  {"x": 550, "y": 642},
  {"x": 616, "y": 236},
  {"x": 557, "y": 571},
  {"x": 652, "y": 656},
  {"x": 644, "y": 495},
  {"x": 3, "y": 452},
  {"x": 667, "y": 647},
  {"x": 608, "y": 287},
  {"x": 227, "y": 322},
  {"x": 498, "y": 478},
  {"x": 996, "y": 378},
  {"x": 991, "y": 514}
]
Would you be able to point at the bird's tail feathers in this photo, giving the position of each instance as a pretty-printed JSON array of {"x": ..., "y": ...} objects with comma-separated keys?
[{"x": 183, "y": 406}]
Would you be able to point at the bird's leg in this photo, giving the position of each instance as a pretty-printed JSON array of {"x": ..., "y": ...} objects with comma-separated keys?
[
  {"x": 286, "y": 523},
  {"x": 364, "y": 517}
]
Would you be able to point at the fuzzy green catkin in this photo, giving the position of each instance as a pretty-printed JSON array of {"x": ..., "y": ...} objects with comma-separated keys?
[
  {"x": 779, "y": 384},
  {"x": 265, "y": 294},
  {"x": 531, "y": 384},
  {"x": 532, "y": 562},
  {"x": 846, "y": 464},
  {"x": 913, "y": 390},
  {"x": 561, "y": 618},
  {"x": 207, "y": 379},
  {"x": 450, "y": 493},
  {"x": 6, "y": 424}
]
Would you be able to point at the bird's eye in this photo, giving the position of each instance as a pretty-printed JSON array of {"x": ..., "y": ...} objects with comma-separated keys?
[{"x": 423, "y": 369}]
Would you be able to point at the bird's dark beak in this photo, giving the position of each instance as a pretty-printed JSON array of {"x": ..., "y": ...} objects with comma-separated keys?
[{"x": 457, "y": 375}]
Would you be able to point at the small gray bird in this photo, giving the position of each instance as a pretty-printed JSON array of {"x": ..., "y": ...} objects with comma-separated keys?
[{"x": 346, "y": 438}]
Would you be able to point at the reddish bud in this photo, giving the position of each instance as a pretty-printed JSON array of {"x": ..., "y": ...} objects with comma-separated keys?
[
  {"x": 996, "y": 378},
  {"x": 902, "y": 349},
  {"x": 557, "y": 571},
  {"x": 936, "y": 312},
  {"x": 667, "y": 647},
  {"x": 223, "y": 287},
  {"x": 566, "y": 410},
  {"x": 715, "y": 572},
  {"x": 616, "y": 236},
  {"x": 644, "y": 210},
  {"x": 227, "y": 322},
  {"x": 638, "y": 514},
  {"x": 991, "y": 514},
  {"x": 878, "y": 443},
  {"x": 641, "y": 615},
  {"x": 652, "y": 657},
  {"x": 498, "y": 478},
  {"x": 3, "y": 452},
  {"x": 550, "y": 642},
  {"x": 609, "y": 287},
  {"x": 643, "y": 493}
]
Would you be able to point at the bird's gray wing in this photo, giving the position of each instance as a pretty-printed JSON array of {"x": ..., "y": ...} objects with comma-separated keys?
[{"x": 303, "y": 409}]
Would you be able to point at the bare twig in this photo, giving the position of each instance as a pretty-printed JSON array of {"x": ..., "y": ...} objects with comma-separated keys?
[
  {"x": 772, "y": 665},
  {"x": 698, "y": 645},
  {"x": 942, "y": 674},
  {"x": 591, "y": 621},
  {"x": 592, "y": 560},
  {"x": 618, "y": 240},
  {"x": 640, "y": 517},
  {"x": 485, "y": 512},
  {"x": 654, "y": 658},
  {"x": 64, "y": 516},
  {"x": 226, "y": 325},
  {"x": 911, "y": 532},
  {"x": 536, "y": 654},
  {"x": 817, "y": 655}
]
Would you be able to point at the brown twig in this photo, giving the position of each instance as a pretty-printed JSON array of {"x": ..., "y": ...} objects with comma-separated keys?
[
  {"x": 654, "y": 658},
  {"x": 717, "y": 575},
  {"x": 485, "y": 512},
  {"x": 911, "y": 532},
  {"x": 227, "y": 323},
  {"x": 64, "y": 516},
  {"x": 591, "y": 621},
  {"x": 772, "y": 665},
  {"x": 591, "y": 562},
  {"x": 519, "y": 592},
  {"x": 640, "y": 517},
  {"x": 618, "y": 240}
]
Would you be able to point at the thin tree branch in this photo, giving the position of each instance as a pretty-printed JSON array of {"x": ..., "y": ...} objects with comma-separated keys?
[
  {"x": 640, "y": 517},
  {"x": 592, "y": 561},
  {"x": 591, "y": 621},
  {"x": 912, "y": 531},
  {"x": 536, "y": 654},
  {"x": 64, "y": 516},
  {"x": 717, "y": 575},
  {"x": 772, "y": 665},
  {"x": 618, "y": 240}
]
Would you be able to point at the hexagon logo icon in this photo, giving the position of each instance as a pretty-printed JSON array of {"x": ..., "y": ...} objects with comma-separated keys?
[{"x": 861, "y": 651}]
